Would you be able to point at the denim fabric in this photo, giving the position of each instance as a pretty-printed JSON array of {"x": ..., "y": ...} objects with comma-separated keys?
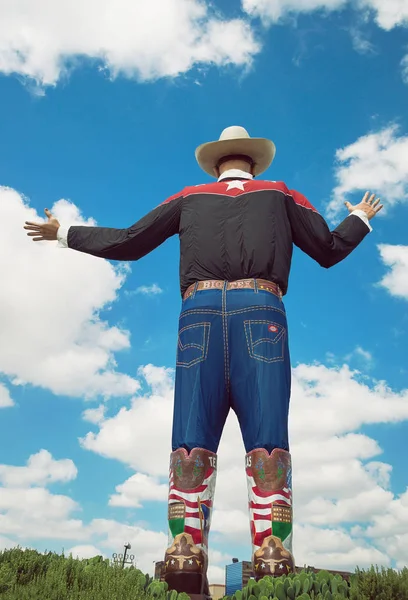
[{"x": 232, "y": 353}]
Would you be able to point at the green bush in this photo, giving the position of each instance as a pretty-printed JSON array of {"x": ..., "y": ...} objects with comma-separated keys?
[
  {"x": 374, "y": 584},
  {"x": 384, "y": 584},
  {"x": 30, "y": 575}
]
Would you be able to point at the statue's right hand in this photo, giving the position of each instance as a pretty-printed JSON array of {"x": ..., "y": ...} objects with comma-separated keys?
[{"x": 43, "y": 231}]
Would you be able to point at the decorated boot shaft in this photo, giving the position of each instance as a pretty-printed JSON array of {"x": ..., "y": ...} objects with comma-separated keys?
[
  {"x": 269, "y": 479},
  {"x": 191, "y": 496}
]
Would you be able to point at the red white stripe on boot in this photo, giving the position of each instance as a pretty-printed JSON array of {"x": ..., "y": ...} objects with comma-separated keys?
[
  {"x": 269, "y": 479},
  {"x": 191, "y": 496}
]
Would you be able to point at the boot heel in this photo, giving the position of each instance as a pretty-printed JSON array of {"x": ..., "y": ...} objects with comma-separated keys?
[{"x": 190, "y": 583}]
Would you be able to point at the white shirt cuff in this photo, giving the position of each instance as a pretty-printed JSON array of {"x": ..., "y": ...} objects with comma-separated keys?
[
  {"x": 362, "y": 215},
  {"x": 62, "y": 237}
]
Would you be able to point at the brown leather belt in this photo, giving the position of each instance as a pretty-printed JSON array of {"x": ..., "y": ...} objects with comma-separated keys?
[{"x": 241, "y": 284}]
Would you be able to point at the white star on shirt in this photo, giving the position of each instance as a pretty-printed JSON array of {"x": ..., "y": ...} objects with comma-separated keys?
[
  {"x": 236, "y": 184},
  {"x": 281, "y": 566}
]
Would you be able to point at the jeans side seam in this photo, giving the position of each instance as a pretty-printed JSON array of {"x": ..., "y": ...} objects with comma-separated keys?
[{"x": 225, "y": 332}]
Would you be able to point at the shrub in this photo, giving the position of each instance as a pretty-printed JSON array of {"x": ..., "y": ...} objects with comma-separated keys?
[
  {"x": 30, "y": 575},
  {"x": 374, "y": 584}
]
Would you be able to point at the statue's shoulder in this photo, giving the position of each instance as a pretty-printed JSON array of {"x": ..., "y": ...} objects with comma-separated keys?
[
  {"x": 211, "y": 187},
  {"x": 271, "y": 184}
]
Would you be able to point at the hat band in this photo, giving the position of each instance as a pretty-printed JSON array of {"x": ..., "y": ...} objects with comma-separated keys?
[{"x": 235, "y": 157}]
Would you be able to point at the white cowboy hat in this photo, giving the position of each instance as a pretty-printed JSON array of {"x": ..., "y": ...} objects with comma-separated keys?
[{"x": 235, "y": 140}]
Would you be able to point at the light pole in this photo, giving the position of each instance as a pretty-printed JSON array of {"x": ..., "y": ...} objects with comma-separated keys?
[{"x": 120, "y": 559}]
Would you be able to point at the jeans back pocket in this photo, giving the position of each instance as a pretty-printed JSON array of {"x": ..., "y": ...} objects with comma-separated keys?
[
  {"x": 192, "y": 344},
  {"x": 265, "y": 340}
]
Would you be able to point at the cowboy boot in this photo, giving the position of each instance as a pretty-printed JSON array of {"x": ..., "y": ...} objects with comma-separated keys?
[
  {"x": 191, "y": 495},
  {"x": 269, "y": 478}
]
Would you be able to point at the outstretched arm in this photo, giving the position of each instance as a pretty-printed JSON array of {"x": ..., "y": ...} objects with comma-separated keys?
[
  {"x": 311, "y": 233},
  {"x": 131, "y": 243}
]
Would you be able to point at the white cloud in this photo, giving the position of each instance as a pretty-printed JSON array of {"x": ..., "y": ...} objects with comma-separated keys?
[
  {"x": 334, "y": 548},
  {"x": 94, "y": 415},
  {"x": 5, "y": 398},
  {"x": 216, "y": 575},
  {"x": 361, "y": 355},
  {"x": 41, "y": 470},
  {"x": 29, "y": 514},
  {"x": 360, "y": 507},
  {"x": 137, "y": 489},
  {"x": 394, "y": 522},
  {"x": 147, "y": 546},
  {"x": 149, "y": 40},
  {"x": 396, "y": 280},
  {"x": 364, "y": 354},
  {"x": 6, "y": 543},
  {"x": 32, "y": 514},
  {"x": 145, "y": 40},
  {"x": 397, "y": 546},
  {"x": 216, "y": 569},
  {"x": 404, "y": 69},
  {"x": 386, "y": 14},
  {"x": 84, "y": 551},
  {"x": 28, "y": 510},
  {"x": 379, "y": 472},
  {"x": 232, "y": 523},
  {"x": 52, "y": 334},
  {"x": 361, "y": 44},
  {"x": 147, "y": 290},
  {"x": 146, "y": 424},
  {"x": 35, "y": 513},
  {"x": 375, "y": 162},
  {"x": 274, "y": 10},
  {"x": 331, "y": 394}
]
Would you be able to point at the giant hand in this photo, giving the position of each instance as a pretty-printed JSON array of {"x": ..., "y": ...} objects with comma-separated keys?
[
  {"x": 43, "y": 231},
  {"x": 368, "y": 204}
]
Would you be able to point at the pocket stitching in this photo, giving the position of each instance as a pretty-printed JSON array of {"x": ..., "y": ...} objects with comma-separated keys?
[
  {"x": 206, "y": 327},
  {"x": 251, "y": 345}
]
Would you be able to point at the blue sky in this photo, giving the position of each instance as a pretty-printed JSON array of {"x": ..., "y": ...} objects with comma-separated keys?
[{"x": 99, "y": 123}]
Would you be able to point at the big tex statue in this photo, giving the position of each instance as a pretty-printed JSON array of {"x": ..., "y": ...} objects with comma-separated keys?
[{"x": 236, "y": 242}]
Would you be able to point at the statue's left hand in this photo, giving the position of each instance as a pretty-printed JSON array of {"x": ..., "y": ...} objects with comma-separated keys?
[{"x": 369, "y": 204}]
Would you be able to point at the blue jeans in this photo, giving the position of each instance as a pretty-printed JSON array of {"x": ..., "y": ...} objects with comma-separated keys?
[{"x": 232, "y": 353}]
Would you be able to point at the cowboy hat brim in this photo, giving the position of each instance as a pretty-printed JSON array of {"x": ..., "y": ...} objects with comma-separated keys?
[{"x": 261, "y": 150}]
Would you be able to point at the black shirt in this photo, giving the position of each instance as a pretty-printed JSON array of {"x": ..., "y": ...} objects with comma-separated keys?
[{"x": 231, "y": 229}]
